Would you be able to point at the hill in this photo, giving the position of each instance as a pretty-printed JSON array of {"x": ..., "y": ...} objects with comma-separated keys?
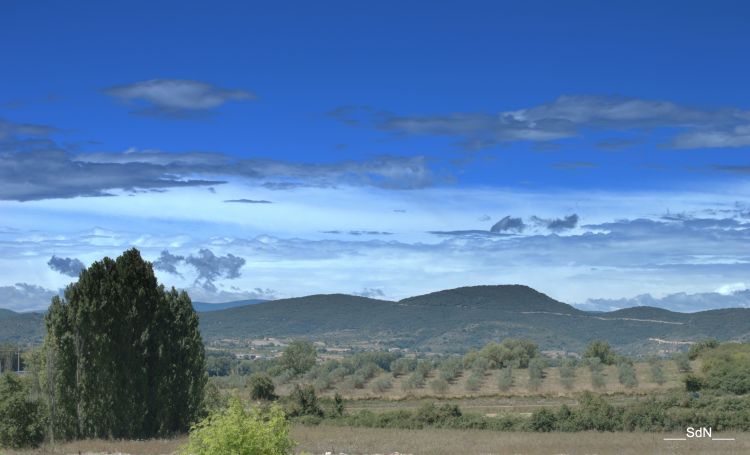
[
  {"x": 458, "y": 319},
  {"x": 453, "y": 320}
]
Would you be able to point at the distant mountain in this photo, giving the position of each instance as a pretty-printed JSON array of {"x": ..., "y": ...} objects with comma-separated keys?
[
  {"x": 23, "y": 328},
  {"x": 458, "y": 319},
  {"x": 453, "y": 320},
  {"x": 205, "y": 307}
]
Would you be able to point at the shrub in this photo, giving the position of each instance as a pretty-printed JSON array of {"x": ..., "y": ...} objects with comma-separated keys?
[
  {"x": 543, "y": 420},
  {"x": 380, "y": 385},
  {"x": 536, "y": 373},
  {"x": 683, "y": 363},
  {"x": 505, "y": 381},
  {"x": 626, "y": 375},
  {"x": 239, "y": 432},
  {"x": 402, "y": 366},
  {"x": 261, "y": 387},
  {"x": 702, "y": 346},
  {"x": 600, "y": 350},
  {"x": 413, "y": 381},
  {"x": 21, "y": 419},
  {"x": 510, "y": 352},
  {"x": 304, "y": 401},
  {"x": 450, "y": 368},
  {"x": 567, "y": 373},
  {"x": 474, "y": 382},
  {"x": 439, "y": 386},
  {"x": 213, "y": 399},
  {"x": 597, "y": 379},
  {"x": 657, "y": 373}
]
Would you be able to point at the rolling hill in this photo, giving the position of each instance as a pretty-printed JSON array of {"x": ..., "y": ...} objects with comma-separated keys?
[
  {"x": 446, "y": 321},
  {"x": 458, "y": 319}
]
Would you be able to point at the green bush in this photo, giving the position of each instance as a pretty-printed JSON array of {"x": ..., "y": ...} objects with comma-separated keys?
[
  {"x": 683, "y": 363},
  {"x": 298, "y": 357},
  {"x": 239, "y": 432},
  {"x": 381, "y": 385},
  {"x": 303, "y": 401},
  {"x": 543, "y": 420},
  {"x": 536, "y": 373},
  {"x": 505, "y": 380},
  {"x": 474, "y": 382},
  {"x": 657, "y": 373},
  {"x": 261, "y": 387},
  {"x": 626, "y": 375},
  {"x": 600, "y": 350},
  {"x": 21, "y": 419}
]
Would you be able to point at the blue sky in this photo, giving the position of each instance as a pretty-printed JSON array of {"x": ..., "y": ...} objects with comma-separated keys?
[{"x": 596, "y": 151}]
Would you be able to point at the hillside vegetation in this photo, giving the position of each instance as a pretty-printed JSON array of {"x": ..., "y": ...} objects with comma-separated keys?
[{"x": 448, "y": 321}]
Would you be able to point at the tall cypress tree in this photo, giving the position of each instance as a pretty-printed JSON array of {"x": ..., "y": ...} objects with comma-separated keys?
[{"x": 124, "y": 357}]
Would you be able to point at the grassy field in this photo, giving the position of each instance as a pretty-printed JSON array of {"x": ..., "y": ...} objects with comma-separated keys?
[{"x": 322, "y": 439}]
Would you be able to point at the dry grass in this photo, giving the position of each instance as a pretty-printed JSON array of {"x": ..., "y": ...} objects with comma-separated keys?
[
  {"x": 321, "y": 439},
  {"x": 149, "y": 447}
]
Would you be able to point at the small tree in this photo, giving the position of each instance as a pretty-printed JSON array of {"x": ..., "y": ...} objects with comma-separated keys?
[
  {"x": 21, "y": 419},
  {"x": 536, "y": 373},
  {"x": 304, "y": 402},
  {"x": 261, "y": 387},
  {"x": 567, "y": 372},
  {"x": 505, "y": 381},
  {"x": 683, "y": 363},
  {"x": 657, "y": 373},
  {"x": 239, "y": 432},
  {"x": 299, "y": 356},
  {"x": 600, "y": 350},
  {"x": 626, "y": 375}
]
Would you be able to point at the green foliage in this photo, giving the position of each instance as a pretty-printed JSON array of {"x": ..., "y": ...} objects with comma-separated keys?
[
  {"x": 701, "y": 346},
  {"x": 213, "y": 399},
  {"x": 298, "y": 357},
  {"x": 543, "y": 420},
  {"x": 505, "y": 380},
  {"x": 21, "y": 418},
  {"x": 381, "y": 385},
  {"x": 261, "y": 387},
  {"x": 536, "y": 373},
  {"x": 304, "y": 402},
  {"x": 338, "y": 406},
  {"x": 123, "y": 356},
  {"x": 656, "y": 373},
  {"x": 403, "y": 366},
  {"x": 727, "y": 367},
  {"x": 683, "y": 363},
  {"x": 239, "y": 432},
  {"x": 567, "y": 372},
  {"x": 510, "y": 352},
  {"x": 450, "y": 368},
  {"x": 601, "y": 350},
  {"x": 474, "y": 382},
  {"x": 626, "y": 375}
]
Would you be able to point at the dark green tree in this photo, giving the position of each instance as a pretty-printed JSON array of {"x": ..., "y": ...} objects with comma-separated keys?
[
  {"x": 124, "y": 357},
  {"x": 21, "y": 418},
  {"x": 600, "y": 350},
  {"x": 299, "y": 356},
  {"x": 261, "y": 387}
]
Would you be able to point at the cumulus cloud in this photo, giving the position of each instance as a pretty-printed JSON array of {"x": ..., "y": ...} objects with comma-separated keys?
[
  {"x": 66, "y": 266},
  {"x": 45, "y": 171},
  {"x": 168, "y": 262},
  {"x": 175, "y": 97},
  {"x": 566, "y": 117},
  {"x": 508, "y": 224},
  {"x": 372, "y": 293},
  {"x": 562, "y": 224},
  {"x": 25, "y": 297},
  {"x": 211, "y": 267}
]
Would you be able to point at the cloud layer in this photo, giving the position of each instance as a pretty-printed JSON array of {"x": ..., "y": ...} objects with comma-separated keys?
[
  {"x": 567, "y": 117},
  {"x": 176, "y": 97}
]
